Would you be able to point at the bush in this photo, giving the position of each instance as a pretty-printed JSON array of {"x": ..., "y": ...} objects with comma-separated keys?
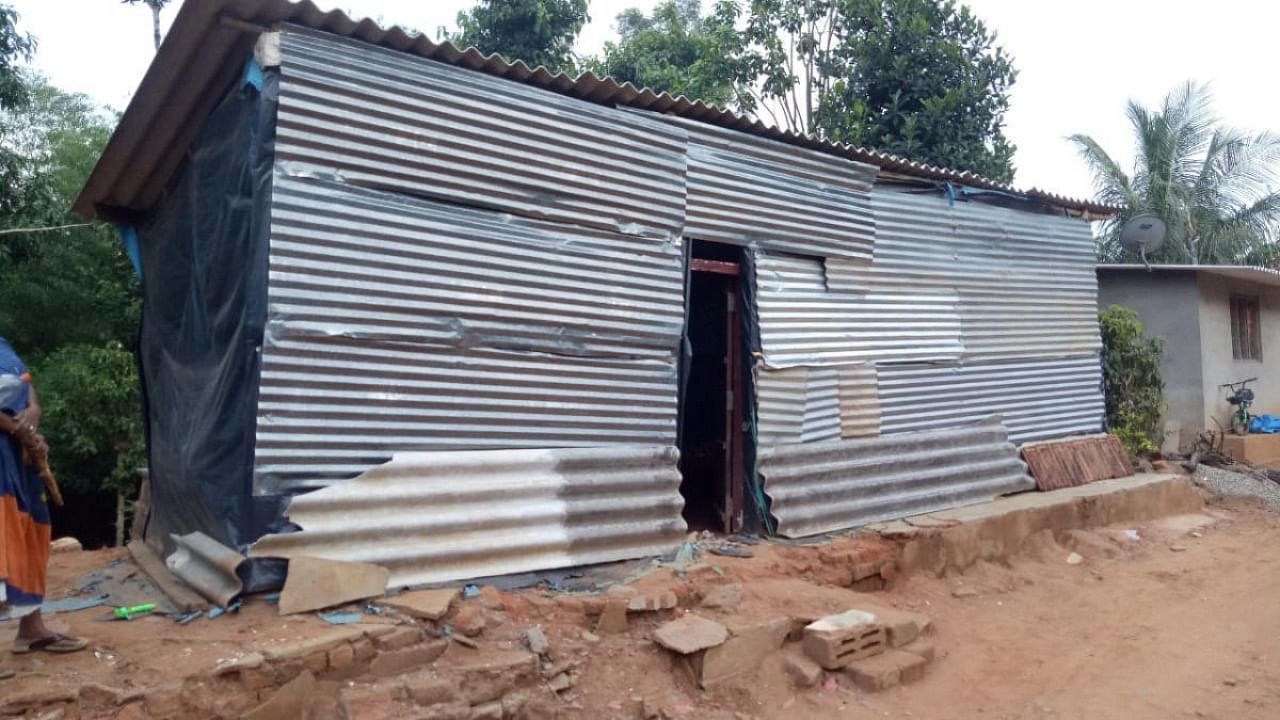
[
  {"x": 92, "y": 417},
  {"x": 1131, "y": 377}
]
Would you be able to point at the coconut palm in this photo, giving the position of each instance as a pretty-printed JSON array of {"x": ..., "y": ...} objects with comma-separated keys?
[{"x": 1211, "y": 184}]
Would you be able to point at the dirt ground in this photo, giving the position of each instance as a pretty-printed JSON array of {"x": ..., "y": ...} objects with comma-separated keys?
[{"x": 1183, "y": 622}]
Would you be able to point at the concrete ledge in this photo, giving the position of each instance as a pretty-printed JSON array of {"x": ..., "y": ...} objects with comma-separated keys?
[
  {"x": 954, "y": 540},
  {"x": 1258, "y": 449}
]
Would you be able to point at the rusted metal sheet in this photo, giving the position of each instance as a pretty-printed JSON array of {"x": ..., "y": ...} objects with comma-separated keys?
[
  {"x": 821, "y": 487},
  {"x": 1076, "y": 461},
  {"x": 444, "y": 516},
  {"x": 745, "y": 190},
  {"x": 391, "y": 120},
  {"x": 403, "y": 324},
  {"x": 859, "y": 401}
]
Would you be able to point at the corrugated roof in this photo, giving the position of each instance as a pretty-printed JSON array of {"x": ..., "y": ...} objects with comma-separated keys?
[
  {"x": 1248, "y": 273},
  {"x": 204, "y": 49}
]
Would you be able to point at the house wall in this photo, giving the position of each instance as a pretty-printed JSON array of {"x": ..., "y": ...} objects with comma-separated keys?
[
  {"x": 1220, "y": 365},
  {"x": 1168, "y": 303}
]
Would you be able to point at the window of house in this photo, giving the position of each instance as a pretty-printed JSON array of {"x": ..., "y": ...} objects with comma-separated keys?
[{"x": 1246, "y": 330}]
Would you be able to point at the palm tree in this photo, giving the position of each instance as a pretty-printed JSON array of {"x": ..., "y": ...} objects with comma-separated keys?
[
  {"x": 1211, "y": 184},
  {"x": 156, "y": 6}
]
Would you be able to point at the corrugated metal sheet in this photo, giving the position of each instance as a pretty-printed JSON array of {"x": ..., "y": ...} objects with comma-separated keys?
[
  {"x": 820, "y": 487},
  {"x": 439, "y": 517},
  {"x": 745, "y": 190},
  {"x": 859, "y": 401},
  {"x": 1076, "y": 461},
  {"x": 1025, "y": 280},
  {"x": 803, "y": 322},
  {"x": 390, "y": 120},
  {"x": 797, "y": 404},
  {"x": 1038, "y": 398},
  {"x": 403, "y": 324},
  {"x": 201, "y": 53}
]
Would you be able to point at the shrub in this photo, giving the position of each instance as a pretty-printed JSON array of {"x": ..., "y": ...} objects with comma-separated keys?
[{"x": 1131, "y": 377}]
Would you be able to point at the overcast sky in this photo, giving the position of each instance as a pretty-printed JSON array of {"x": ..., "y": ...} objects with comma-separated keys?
[{"x": 1079, "y": 61}]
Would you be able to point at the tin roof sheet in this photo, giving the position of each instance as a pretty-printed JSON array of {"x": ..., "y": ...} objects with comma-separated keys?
[{"x": 208, "y": 40}]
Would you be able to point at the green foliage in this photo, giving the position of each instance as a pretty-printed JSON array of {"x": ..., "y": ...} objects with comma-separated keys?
[
  {"x": 1131, "y": 375},
  {"x": 92, "y": 416},
  {"x": 539, "y": 32},
  {"x": 679, "y": 51},
  {"x": 1211, "y": 184},
  {"x": 919, "y": 78},
  {"x": 922, "y": 79}
]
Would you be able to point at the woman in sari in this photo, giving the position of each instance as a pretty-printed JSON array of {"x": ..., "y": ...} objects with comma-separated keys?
[{"x": 24, "y": 516}]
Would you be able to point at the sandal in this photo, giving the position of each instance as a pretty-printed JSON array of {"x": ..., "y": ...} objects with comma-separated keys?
[{"x": 55, "y": 643}]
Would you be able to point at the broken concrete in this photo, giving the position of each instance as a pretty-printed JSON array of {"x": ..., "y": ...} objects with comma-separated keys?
[
  {"x": 290, "y": 701},
  {"x": 955, "y": 540},
  {"x": 425, "y": 604},
  {"x": 743, "y": 652},
  {"x": 803, "y": 671},
  {"x": 689, "y": 634},
  {"x": 724, "y": 597},
  {"x": 315, "y": 583},
  {"x": 885, "y": 670}
]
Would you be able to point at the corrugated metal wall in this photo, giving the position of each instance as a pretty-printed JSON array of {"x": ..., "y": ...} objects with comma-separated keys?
[
  {"x": 391, "y": 120},
  {"x": 442, "y": 516},
  {"x": 745, "y": 190},
  {"x": 826, "y": 486}
]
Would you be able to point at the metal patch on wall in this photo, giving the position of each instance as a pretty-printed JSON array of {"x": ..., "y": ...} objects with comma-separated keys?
[
  {"x": 446, "y": 516},
  {"x": 797, "y": 404},
  {"x": 821, "y": 487},
  {"x": 1038, "y": 398},
  {"x": 859, "y": 401},
  {"x": 746, "y": 190},
  {"x": 805, "y": 322}
]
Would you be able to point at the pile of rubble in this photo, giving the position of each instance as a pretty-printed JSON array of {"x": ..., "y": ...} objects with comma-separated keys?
[{"x": 873, "y": 647}]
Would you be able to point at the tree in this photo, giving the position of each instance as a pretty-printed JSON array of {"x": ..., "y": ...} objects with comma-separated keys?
[
  {"x": 539, "y": 32},
  {"x": 1211, "y": 184},
  {"x": 677, "y": 50},
  {"x": 919, "y": 78},
  {"x": 156, "y": 6},
  {"x": 15, "y": 48}
]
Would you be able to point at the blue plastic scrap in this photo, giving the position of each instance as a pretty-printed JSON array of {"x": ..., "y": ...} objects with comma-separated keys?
[
  {"x": 188, "y": 617},
  {"x": 340, "y": 618},
  {"x": 133, "y": 248},
  {"x": 470, "y": 591},
  {"x": 252, "y": 74}
]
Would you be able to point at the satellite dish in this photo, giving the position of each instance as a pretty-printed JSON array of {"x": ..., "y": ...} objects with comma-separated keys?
[{"x": 1143, "y": 234}]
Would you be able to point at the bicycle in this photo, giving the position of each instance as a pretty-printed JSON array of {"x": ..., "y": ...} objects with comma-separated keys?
[{"x": 1241, "y": 397}]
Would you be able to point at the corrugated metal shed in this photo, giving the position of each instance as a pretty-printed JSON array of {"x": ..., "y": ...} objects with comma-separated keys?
[
  {"x": 389, "y": 120},
  {"x": 397, "y": 324},
  {"x": 437, "y": 517},
  {"x": 820, "y": 487},
  {"x": 202, "y": 53}
]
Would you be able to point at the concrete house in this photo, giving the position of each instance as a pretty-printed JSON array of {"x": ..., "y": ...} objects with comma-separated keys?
[
  {"x": 1220, "y": 324},
  {"x": 412, "y": 305}
]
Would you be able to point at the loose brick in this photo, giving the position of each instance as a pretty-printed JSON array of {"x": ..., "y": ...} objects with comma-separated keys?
[
  {"x": 302, "y": 648},
  {"x": 363, "y": 649},
  {"x": 883, "y": 671},
  {"x": 342, "y": 657},
  {"x": 317, "y": 662},
  {"x": 836, "y": 640},
  {"x": 613, "y": 618},
  {"x": 256, "y": 678},
  {"x": 398, "y": 662},
  {"x": 427, "y": 689},
  {"x": 401, "y": 637},
  {"x": 803, "y": 671},
  {"x": 921, "y": 647}
]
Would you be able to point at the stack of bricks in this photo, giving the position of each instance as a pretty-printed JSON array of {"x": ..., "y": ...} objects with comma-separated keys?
[{"x": 875, "y": 648}]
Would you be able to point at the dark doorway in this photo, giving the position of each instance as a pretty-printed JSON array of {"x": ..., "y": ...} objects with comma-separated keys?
[{"x": 711, "y": 431}]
